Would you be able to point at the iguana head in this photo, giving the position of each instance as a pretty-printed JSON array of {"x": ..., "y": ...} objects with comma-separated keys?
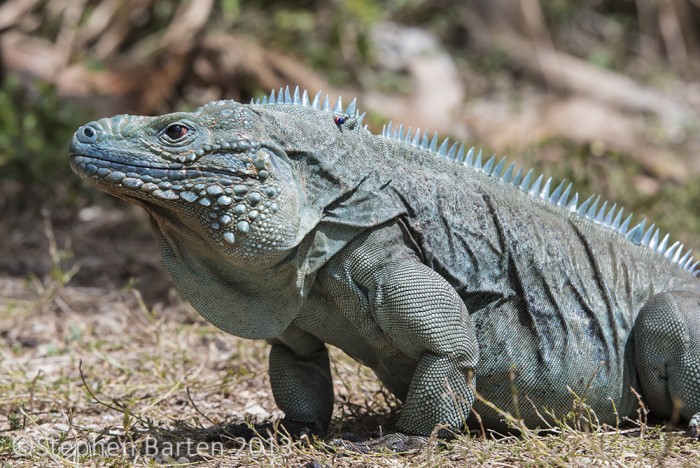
[{"x": 215, "y": 172}]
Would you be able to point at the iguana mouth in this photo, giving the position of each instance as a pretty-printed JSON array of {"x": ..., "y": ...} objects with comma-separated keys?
[
  {"x": 104, "y": 167},
  {"x": 170, "y": 181}
]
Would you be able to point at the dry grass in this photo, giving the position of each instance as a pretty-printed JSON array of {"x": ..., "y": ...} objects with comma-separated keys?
[{"x": 95, "y": 377}]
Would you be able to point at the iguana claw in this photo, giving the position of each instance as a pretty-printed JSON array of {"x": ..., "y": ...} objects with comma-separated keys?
[{"x": 693, "y": 425}]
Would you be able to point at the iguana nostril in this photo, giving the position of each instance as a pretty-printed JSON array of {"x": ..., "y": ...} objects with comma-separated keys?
[{"x": 88, "y": 132}]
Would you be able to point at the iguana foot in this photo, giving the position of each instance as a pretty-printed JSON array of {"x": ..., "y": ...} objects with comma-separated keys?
[
  {"x": 393, "y": 442},
  {"x": 694, "y": 426}
]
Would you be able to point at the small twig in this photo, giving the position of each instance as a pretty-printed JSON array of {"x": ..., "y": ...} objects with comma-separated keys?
[
  {"x": 642, "y": 413},
  {"x": 541, "y": 416},
  {"x": 194, "y": 405},
  {"x": 174, "y": 387},
  {"x": 32, "y": 388},
  {"x": 482, "y": 428},
  {"x": 44, "y": 436},
  {"x": 114, "y": 407}
]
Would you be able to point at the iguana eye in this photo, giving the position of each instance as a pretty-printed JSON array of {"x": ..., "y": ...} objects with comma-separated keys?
[{"x": 176, "y": 131}]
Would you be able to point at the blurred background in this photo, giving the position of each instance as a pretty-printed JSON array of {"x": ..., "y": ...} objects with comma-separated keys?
[{"x": 602, "y": 92}]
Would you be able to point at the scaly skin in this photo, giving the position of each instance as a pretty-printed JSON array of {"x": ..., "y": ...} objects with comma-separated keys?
[{"x": 293, "y": 224}]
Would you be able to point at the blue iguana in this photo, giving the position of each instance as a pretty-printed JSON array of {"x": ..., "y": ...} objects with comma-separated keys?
[{"x": 287, "y": 220}]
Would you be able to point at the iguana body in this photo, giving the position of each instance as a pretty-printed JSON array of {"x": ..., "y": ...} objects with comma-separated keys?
[{"x": 286, "y": 220}]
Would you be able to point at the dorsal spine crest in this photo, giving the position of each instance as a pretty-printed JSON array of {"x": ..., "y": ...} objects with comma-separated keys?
[{"x": 611, "y": 218}]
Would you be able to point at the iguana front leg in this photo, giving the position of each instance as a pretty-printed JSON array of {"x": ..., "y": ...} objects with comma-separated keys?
[
  {"x": 667, "y": 348},
  {"x": 301, "y": 383},
  {"x": 426, "y": 318},
  {"x": 427, "y": 321}
]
